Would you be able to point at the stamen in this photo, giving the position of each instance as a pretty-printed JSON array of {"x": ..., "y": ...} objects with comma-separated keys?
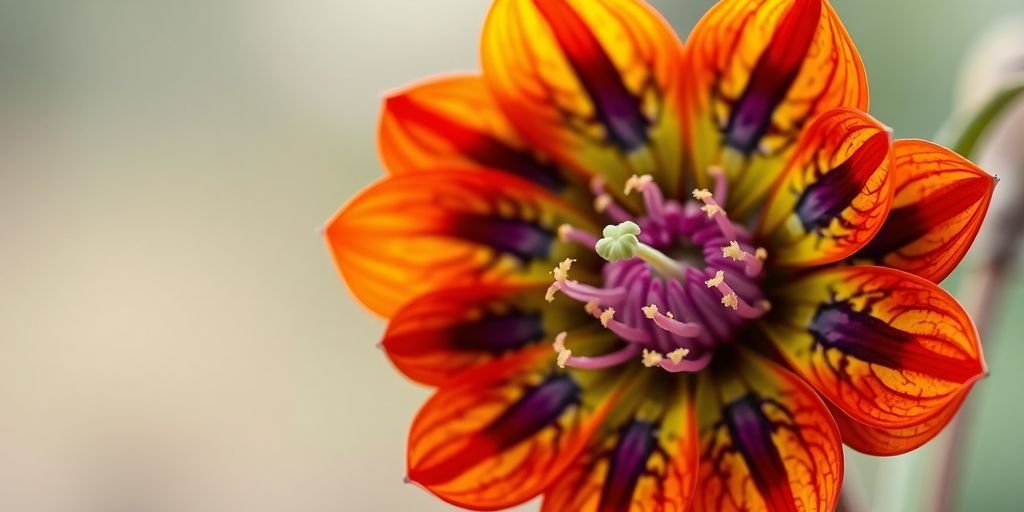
[
  {"x": 731, "y": 300},
  {"x": 653, "y": 200},
  {"x": 561, "y": 272},
  {"x": 626, "y": 332},
  {"x": 586, "y": 293},
  {"x": 667, "y": 323},
  {"x": 563, "y": 357},
  {"x": 721, "y": 183},
  {"x": 687, "y": 365},
  {"x": 651, "y": 358},
  {"x": 678, "y": 354},
  {"x": 716, "y": 212},
  {"x": 616, "y": 358},
  {"x": 559, "y": 344},
  {"x": 567, "y": 233},
  {"x": 604, "y": 203},
  {"x": 754, "y": 264}
]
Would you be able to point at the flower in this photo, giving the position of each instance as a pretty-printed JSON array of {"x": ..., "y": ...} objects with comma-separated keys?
[{"x": 645, "y": 276}]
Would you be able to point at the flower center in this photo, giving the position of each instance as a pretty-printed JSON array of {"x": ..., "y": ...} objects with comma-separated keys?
[{"x": 681, "y": 279}]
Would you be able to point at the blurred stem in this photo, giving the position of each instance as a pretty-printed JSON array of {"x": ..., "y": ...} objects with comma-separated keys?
[
  {"x": 966, "y": 130},
  {"x": 983, "y": 289}
]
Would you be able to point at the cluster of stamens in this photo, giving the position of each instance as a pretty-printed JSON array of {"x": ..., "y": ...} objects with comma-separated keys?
[{"x": 670, "y": 312}]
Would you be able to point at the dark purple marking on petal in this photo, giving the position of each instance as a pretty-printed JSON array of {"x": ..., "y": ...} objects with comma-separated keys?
[
  {"x": 478, "y": 146},
  {"x": 493, "y": 333},
  {"x": 539, "y": 407},
  {"x": 857, "y": 334},
  {"x": 909, "y": 223},
  {"x": 834, "y": 191},
  {"x": 523, "y": 240},
  {"x": 773, "y": 75},
  {"x": 618, "y": 110},
  {"x": 751, "y": 434},
  {"x": 499, "y": 334},
  {"x": 628, "y": 461}
]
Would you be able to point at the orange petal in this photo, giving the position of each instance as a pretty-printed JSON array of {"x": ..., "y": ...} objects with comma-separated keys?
[
  {"x": 499, "y": 434},
  {"x": 767, "y": 441},
  {"x": 888, "y": 348},
  {"x": 594, "y": 84},
  {"x": 886, "y": 442},
  {"x": 835, "y": 194},
  {"x": 940, "y": 202},
  {"x": 444, "y": 333},
  {"x": 644, "y": 457},
  {"x": 757, "y": 72},
  {"x": 415, "y": 233},
  {"x": 455, "y": 123}
]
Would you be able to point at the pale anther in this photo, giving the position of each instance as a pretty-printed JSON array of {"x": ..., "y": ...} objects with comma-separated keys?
[
  {"x": 559, "y": 344},
  {"x": 715, "y": 281},
  {"x": 563, "y": 356},
  {"x": 651, "y": 358},
  {"x": 678, "y": 354},
  {"x": 606, "y": 316}
]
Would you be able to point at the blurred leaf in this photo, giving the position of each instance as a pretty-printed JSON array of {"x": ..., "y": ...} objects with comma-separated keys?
[{"x": 966, "y": 130}]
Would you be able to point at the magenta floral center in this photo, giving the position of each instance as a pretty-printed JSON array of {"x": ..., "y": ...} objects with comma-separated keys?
[{"x": 681, "y": 280}]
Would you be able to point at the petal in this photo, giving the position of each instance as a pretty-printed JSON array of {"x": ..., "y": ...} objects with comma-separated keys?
[
  {"x": 940, "y": 200},
  {"x": 593, "y": 83},
  {"x": 767, "y": 441},
  {"x": 885, "y": 442},
  {"x": 644, "y": 457},
  {"x": 757, "y": 72},
  {"x": 414, "y": 233},
  {"x": 442, "y": 334},
  {"x": 888, "y": 348},
  {"x": 835, "y": 194},
  {"x": 499, "y": 434},
  {"x": 455, "y": 123}
]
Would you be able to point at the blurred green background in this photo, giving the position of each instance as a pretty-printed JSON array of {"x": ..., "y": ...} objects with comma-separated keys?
[{"x": 173, "y": 335}]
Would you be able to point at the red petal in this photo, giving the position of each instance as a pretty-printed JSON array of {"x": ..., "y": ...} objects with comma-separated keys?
[
  {"x": 455, "y": 123},
  {"x": 757, "y": 72},
  {"x": 888, "y": 348},
  {"x": 445, "y": 333},
  {"x": 835, "y": 194},
  {"x": 767, "y": 441},
  {"x": 939, "y": 205},
  {"x": 415, "y": 233},
  {"x": 499, "y": 434},
  {"x": 594, "y": 84},
  {"x": 894, "y": 441}
]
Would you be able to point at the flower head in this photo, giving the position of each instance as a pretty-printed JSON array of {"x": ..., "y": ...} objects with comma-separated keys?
[{"x": 744, "y": 240}]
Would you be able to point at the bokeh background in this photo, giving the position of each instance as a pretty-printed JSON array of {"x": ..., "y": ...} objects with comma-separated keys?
[{"x": 173, "y": 335}]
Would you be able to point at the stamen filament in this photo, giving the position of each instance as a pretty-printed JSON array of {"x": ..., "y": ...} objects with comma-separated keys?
[
  {"x": 687, "y": 365},
  {"x": 567, "y": 233},
  {"x": 616, "y": 358},
  {"x": 715, "y": 211},
  {"x": 731, "y": 300}
]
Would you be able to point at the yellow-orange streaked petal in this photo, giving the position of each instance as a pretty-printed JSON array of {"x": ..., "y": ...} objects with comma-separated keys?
[
  {"x": 835, "y": 194},
  {"x": 455, "y": 123},
  {"x": 442, "y": 334},
  {"x": 756, "y": 73},
  {"x": 411, "y": 234},
  {"x": 887, "y": 347},
  {"x": 499, "y": 434},
  {"x": 885, "y": 442},
  {"x": 768, "y": 442},
  {"x": 593, "y": 83},
  {"x": 940, "y": 200},
  {"x": 643, "y": 458}
]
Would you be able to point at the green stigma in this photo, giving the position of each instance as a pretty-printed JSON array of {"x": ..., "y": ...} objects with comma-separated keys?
[{"x": 619, "y": 242}]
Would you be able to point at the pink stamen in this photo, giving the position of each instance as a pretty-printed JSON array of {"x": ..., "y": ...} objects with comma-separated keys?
[
  {"x": 687, "y": 365},
  {"x": 616, "y": 358},
  {"x": 586, "y": 293},
  {"x": 605, "y": 202},
  {"x": 570, "y": 234},
  {"x": 685, "y": 330}
]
